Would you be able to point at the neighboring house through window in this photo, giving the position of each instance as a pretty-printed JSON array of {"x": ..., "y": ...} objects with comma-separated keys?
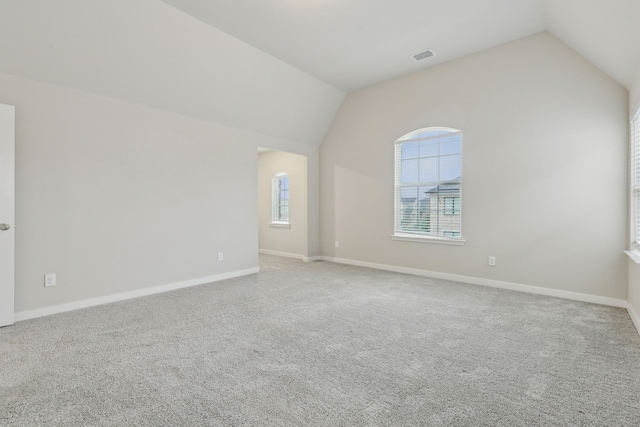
[
  {"x": 280, "y": 199},
  {"x": 452, "y": 205},
  {"x": 428, "y": 180}
]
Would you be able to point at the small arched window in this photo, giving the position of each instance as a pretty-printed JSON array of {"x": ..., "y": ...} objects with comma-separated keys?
[
  {"x": 280, "y": 198},
  {"x": 428, "y": 184}
]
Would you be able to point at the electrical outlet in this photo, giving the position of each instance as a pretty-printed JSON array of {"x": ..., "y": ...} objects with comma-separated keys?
[
  {"x": 220, "y": 256},
  {"x": 337, "y": 244},
  {"x": 50, "y": 279},
  {"x": 492, "y": 261}
]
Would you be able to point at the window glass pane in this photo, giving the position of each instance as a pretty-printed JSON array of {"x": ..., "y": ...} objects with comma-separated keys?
[
  {"x": 284, "y": 199},
  {"x": 450, "y": 167},
  {"x": 408, "y": 194},
  {"x": 429, "y": 169},
  {"x": 448, "y": 218},
  {"x": 448, "y": 205},
  {"x": 409, "y": 171},
  {"x": 429, "y": 148},
  {"x": 449, "y": 189},
  {"x": 410, "y": 150},
  {"x": 451, "y": 205},
  {"x": 424, "y": 209},
  {"x": 429, "y": 189},
  {"x": 408, "y": 208},
  {"x": 451, "y": 145},
  {"x": 280, "y": 198}
]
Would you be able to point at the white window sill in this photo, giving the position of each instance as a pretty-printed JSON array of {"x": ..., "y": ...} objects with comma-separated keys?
[
  {"x": 280, "y": 225},
  {"x": 634, "y": 254},
  {"x": 427, "y": 239}
]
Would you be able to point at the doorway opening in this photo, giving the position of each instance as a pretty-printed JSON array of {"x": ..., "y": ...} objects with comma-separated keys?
[{"x": 282, "y": 204}]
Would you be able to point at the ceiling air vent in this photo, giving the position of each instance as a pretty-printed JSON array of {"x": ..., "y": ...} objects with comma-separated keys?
[{"x": 423, "y": 55}]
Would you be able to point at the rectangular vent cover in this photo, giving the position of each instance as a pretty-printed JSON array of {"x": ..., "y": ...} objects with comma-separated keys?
[{"x": 423, "y": 55}]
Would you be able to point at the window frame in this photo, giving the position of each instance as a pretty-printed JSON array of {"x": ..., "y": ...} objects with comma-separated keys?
[
  {"x": 416, "y": 236},
  {"x": 277, "y": 220},
  {"x": 634, "y": 188}
]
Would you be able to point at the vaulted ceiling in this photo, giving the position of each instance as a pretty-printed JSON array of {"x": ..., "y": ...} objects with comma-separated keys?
[
  {"x": 148, "y": 53},
  {"x": 283, "y": 67},
  {"x": 354, "y": 43}
]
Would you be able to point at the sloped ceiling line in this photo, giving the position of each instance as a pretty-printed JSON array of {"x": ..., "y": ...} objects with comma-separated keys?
[{"x": 282, "y": 68}]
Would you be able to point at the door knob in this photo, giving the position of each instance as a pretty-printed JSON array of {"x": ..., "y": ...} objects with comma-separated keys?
[{"x": 4, "y": 227}]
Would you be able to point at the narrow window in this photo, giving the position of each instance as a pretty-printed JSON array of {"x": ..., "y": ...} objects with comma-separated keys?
[
  {"x": 635, "y": 182},
  {"x": 280, "y": 198},
  {"x": 428, "y": 180}
]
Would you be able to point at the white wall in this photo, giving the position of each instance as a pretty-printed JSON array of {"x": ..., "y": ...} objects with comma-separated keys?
[
  {"x": 545, "y": 135},
  {"x": 291, "y": 240},
  {"x": 634, "y": 292},
  {"x": 115, "y": 197}
]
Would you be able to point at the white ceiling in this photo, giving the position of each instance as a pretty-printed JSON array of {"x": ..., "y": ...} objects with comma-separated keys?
[{"x": 354, "y": 43}]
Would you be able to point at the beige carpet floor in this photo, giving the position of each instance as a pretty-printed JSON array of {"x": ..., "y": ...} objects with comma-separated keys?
[{"x": 321, "y": 344}]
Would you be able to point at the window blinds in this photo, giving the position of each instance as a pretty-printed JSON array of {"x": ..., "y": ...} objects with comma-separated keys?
[
  {"x": 280, "y": 198},
  {"x": 635, "y": 173}
]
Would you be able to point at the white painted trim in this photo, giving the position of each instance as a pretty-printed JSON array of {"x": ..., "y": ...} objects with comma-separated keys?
[
  {"x": 634, "y": 316},
  {"x": 634, "y": 255},
  {"x": 427, "y": 239},
  {"x": 279, "y": 225},
  {"x": 46, "y": 311},
  {"x": 283, "y": 254},
  {"x": 576, "y": 296},
  {"x": 289, "y": 255}
]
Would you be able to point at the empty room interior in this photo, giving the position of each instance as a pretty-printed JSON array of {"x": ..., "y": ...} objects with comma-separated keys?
[{"x": 324, "y": 212}]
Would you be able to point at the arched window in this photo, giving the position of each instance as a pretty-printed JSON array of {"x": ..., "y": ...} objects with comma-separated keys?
[
  {"x": 428, "y": 184},
  {"x": 280, "y": 198}
]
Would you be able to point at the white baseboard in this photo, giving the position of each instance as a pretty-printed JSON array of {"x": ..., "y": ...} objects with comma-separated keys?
[
  {"x": 46, "y": 311},
  {"x": 283, "y": 254},
  {"x": 289, "y": 255},
  {"x": 576, "y": 296},
  {"x": 634, "y": 316}
]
